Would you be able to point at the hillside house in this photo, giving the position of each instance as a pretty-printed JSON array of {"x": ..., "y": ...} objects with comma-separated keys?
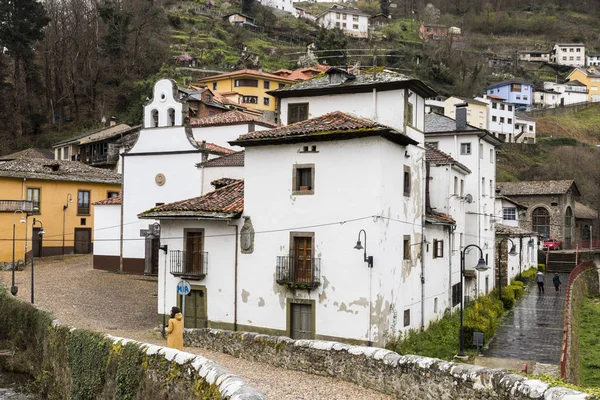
[
  {"x": 590, "y": 77},
  {"x": 550, "y": 207},
  {"x": 513, "y": 91},
  {"x": 524, "y": 129},
  {"x": 572, "y": 54},
  {"x": 300, "y": 12},
  {"x": 592, "y": 59},
  {"x": 352, "y": 21},
  {"x": 435, "y": 32},
  {"x": 560, "y": 94},
  {"x": 477, "y": 111},
  {"x": 476, "y": 149},
  {"x": 501, "y": 117},
  {"x": 240, "y": 20},
  {"x": 283, "y": 5},
  {"x": 201, "y": 103},
  {"x": 378, "y": 21},
  {"x": 534, "y": 56}
]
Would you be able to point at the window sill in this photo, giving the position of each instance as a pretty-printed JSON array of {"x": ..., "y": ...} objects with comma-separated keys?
[
  {"x": 84, "y": 215},
  {"x": 302, "y": 192}
]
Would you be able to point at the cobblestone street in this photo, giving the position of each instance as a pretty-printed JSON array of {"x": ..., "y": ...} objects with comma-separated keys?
[
  {"x": 533, "y": 329},
  {"x": 125, "y": 306}
]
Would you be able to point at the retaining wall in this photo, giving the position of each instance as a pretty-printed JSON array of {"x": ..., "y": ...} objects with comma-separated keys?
[
  {"x": 70, "y": 363},
  {"x": 402, "y": 376},
  {"x": 583, "y": 281}
]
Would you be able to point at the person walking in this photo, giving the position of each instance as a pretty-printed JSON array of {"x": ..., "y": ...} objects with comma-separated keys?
[
  {"x": 557, "y": 282},
  {"x": 539, "y": 278},
  {"x": 175, "y": 329}
]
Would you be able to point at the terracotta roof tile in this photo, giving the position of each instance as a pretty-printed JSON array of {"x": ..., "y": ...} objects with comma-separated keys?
[
  {"x": 434, "y": 217},
  {"x": 230, "y": 118},
  {"x": 438, "y": 157},
  {"x": 229, "y": 160},
  {"x": 215, "y": 148},
  {"x": 332, "y": 126},
  {"x": 528, "y": 188},
  {"x": 109, "y": 202},
  {"x": 219, "y": 183},
  {"x": 502, "y": 229},
  {"x": 224, "y": 203},
  {"x": 57, "y": 170}
]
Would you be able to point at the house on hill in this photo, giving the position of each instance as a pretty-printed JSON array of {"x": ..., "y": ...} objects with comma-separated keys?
[
  {"x": 351, "y": 20},
  {"x": 572, "y": 54},
  {"x": 590, "y": 77},
  {"x": 513, "y": 91},
  {"x": 550, "y": 207}
]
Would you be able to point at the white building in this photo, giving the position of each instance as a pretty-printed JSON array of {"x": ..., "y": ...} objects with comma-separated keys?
[
  {"x": 572, "y": 54},
  {"x": 592, "y": 59},
  {"x": 475, "y": 149},
  {"x": 535, "y": 56},
  {"x": 524, "y": 129},
  {"x": 352, "y": 21},
  {"x": 283, "y": 5},
  {"x": 561, "y": 94}
]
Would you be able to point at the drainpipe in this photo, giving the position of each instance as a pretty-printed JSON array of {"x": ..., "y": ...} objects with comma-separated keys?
[
  {"x": 23, "y": 189},
  {"x": 520, "y": 253},
  {"x": 426, "y": 207},
  {"x": 122, "y": 213},
  {"x": 235, "y": 277},
  {"x": 450, "y": 232}
]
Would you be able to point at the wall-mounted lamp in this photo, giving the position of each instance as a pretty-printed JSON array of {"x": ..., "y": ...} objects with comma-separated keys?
[
  {"x": 406, "y": 154},
  {"x": 368, "y": 259},
  {"x": 69, "y": 200}
]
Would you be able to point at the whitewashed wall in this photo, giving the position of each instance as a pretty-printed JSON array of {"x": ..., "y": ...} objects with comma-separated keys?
[
  {"x": 219, "y": 243},
  {"x": 222, "y": 135},
  {"x": 107, "y": 230},
  {"x": 209, "y": 174}
]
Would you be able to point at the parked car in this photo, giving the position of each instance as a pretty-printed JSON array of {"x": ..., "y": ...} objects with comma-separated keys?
[{"x": 551, "y": 244}]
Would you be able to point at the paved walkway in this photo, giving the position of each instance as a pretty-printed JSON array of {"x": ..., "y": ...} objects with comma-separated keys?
[
  {"x": 125, "y": 306},
  {"x": 533, "y": 329}
]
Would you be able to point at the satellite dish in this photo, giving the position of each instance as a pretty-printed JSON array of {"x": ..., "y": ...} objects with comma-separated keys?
[{"x": 468, "y": 198}]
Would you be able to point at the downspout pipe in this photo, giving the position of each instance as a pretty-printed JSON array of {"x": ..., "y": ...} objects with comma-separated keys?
[
  {"x": 426, "y": 208},
  {"x": 235, "y": 277}
]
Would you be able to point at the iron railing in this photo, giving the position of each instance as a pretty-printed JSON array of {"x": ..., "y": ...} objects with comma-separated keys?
[
  {"x": 189, "y": 264},
  {"x": 15, "y": 205},
  {"x": 298, "y": 272}
]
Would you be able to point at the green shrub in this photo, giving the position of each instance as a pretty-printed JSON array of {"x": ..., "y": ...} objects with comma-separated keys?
[
  {"x": 508, "y": 297},
  {"x": 517, "y": 290},
  {"x": 541, "y": 267}
]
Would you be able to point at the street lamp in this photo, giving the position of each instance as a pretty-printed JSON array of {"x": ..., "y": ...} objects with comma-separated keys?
[
  {"x": 481, "y": 267},
  {"x": 13, "y": 288},
  {"x": 368, "y": 259},
  {"x": 41, "y": 233},
  {"x": 69, "y": 200},
  {"x": 512, "y": 252}
]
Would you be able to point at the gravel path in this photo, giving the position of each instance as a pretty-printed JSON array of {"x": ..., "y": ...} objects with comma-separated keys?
[{"x": 125, "y": 306}]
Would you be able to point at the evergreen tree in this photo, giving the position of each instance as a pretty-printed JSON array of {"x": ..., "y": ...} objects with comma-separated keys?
[{"x": 334, "y": 40}]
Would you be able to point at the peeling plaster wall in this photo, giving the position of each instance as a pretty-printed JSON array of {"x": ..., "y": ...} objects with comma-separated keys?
[
  {"x": 221, "y": 135},
  {"x": 219, "y": 243}
]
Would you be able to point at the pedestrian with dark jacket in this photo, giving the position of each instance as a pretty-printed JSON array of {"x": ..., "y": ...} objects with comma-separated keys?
[
  {"x": 539, "y": 278},
  {"x": 175, "y": 329},
  {"x": 557, "y": 282}
]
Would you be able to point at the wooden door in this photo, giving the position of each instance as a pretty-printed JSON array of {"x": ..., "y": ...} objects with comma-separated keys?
[
  {"x": 195, "y": 315},
  {"x": 303, "y": 259},
  {"x": 83, "y": 241},
  {"x": 36, "y": 240},
  {"x": 301, "y": 321},
  {"x": 194, "y": 248}
]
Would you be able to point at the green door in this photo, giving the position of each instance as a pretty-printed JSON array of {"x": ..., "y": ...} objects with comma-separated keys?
[{"x": 195, "y": 309}]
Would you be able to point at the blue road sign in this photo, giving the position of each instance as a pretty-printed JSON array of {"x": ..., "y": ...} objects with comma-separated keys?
[{"x": 184, "y": 288}]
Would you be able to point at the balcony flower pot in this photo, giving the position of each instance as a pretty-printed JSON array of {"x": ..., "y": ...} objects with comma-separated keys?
[{"x": 302, "y": 188}]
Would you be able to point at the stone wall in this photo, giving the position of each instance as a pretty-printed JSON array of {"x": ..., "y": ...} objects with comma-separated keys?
[
  {"x": 583, "y": 281},
  {"x": 402, "y": 376},
  {"x": 80, "y": 364}
]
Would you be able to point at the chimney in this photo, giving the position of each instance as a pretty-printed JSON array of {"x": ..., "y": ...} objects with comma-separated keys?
[
  {"x": 113, "y": 121},
  {"x": 461, "y": 116}
]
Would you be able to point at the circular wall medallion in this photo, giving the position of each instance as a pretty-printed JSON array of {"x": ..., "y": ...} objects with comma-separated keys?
[
  {"x": 163, "y": 97},
  {"x": 160, "y": 179}
]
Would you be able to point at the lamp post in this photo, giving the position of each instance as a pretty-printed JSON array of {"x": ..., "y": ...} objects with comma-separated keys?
[
  {"x": 512, "y": 252},
  {"x": 369, "y": 261},
  {"x": 41, "y": 233},
  {"x": 481, "y": 267},
  {"x": 13, "y": 288},
  {"x": 69, "y": 200}
]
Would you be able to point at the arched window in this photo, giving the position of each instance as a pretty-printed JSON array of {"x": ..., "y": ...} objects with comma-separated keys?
[
  {"x": 171, "y": 117},
  {"x": 585, "y": 232},
  {"x": 568, "y": 225},
  {"x": 541, "y": 221},
  {"x": 155, "y": 118}
]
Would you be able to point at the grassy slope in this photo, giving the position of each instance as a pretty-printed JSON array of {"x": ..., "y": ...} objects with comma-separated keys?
[{"x": 589, "y": 343}]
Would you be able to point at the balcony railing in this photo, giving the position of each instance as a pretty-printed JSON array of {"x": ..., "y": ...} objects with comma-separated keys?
[
  {"x": 298, "y": 272},
  {"x": 14, "y": 205},
  {"x": 189, "y": 264}
]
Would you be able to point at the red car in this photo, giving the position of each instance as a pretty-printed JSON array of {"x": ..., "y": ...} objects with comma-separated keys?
[{"x": 551, "y": 244}]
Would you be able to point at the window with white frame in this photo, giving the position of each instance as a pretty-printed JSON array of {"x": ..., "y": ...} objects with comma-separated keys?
[
  {"x": 465, "y": 148},
  {"x": 509, "y": 213}
]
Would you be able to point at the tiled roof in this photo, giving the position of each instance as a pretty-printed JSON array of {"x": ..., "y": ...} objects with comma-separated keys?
[
  {"x": 230, "y": 118},
  {"x": 215, "y": 148},
  {"x": 527, "y": 188},
  {"x": 520, "y": 115},
  {"x": 333, "y": 126},
  {"x": 224, "y": 203},
  {"x": 516, "y": 203},
  {"x": 230, "y": 160},
  {"x": 382, "y": 80},
  {"x": 434, "y": 217},
  {"x": 250, "y": 72},
  {"x": 440, "y": 123},
  {"x": 29, "y": 153},
  {"x": 584, "y": 212},
  {"x": 587, "y": 72},
  {"x": 502, "y": 229},
  {"x": 219, "y": 183},
  {"x": 302, "y": 74},
  {"x": 438, "y": 157},
  {"x": 471, "y": 101},
  {"x": 111, "y": 201},
  {"x": 496, "y": 97},
  {"x": 55, "y": 170},
  {"x": 504, "y": 83}
]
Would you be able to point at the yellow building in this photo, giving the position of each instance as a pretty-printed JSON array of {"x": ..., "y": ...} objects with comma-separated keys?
[
  {"x": 590, "y": 77},
  {"x": 477, "y": 111},
  {"x": 251, "y": 85},
  {"x": 57, "y": 195}
]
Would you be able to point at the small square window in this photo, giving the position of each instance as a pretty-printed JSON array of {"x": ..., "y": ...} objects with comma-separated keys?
[
  {"x": 303, "y": 179},
  {"x": 465, "y": 148},
  {"x": 82, "y": 221},
  {"x": 266, "y": 101},
  {"x": 438, "y": 248},
  {"x": 406, "y": 244},
  {"x": 214, "y": 86},
  {"x": 406, "y": 318},
  {"x": 407, "y": 181},
  {"x": 267, "y": 84}
]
